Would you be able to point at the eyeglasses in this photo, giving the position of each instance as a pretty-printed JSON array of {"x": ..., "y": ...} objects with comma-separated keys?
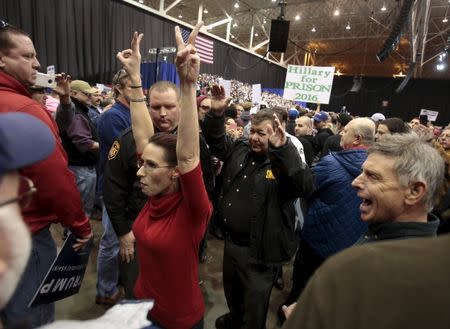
[
  {"x": 150, "y": 165},
  {"x": 25, "y": 198},
  {"x": 3, "y": 24},
  {"x": 204, "y": 107}
]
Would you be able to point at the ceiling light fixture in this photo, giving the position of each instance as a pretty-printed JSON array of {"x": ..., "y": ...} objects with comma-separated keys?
[
  {"x": 399, "y": 75},
  {"x": 205, "y": 11},
  {"x": 236, "y": 5},
  {"x": 180, "y": 16},
  {"x": 141, "y": 1},
  {"x": 348, "y": 27},
  {"x": 256, "y": 34},
  {"x": 235, "y": 24},
  {"x": 276, "y": 0},
  {"x": 445, "y": 20},
  {"x": 383, "y": 8},
  {"x": 297, "y": 17},
  {"x": 336, "y": 12},
  {"x": 313, "y": 29},
  {"x": 264, "y": 21},
  {"x": 440, "y": 66}
]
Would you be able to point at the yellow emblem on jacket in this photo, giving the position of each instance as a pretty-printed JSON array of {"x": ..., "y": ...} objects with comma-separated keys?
[
  {"x": 114, "y": 150},
  {"x": 269, "y": 174}
]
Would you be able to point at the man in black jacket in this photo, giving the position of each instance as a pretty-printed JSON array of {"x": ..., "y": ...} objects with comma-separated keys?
[
  {"x": 262, "y": 177},
  {"x": 124, "y": 200}
]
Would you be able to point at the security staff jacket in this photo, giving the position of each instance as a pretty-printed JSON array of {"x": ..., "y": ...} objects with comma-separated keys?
[
  {"x": 274, "y": 183},
  {"x": 122, "y": 195}
]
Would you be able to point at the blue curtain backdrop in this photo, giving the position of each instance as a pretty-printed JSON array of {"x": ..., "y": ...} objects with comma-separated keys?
[{"x": 166, "y": 71}]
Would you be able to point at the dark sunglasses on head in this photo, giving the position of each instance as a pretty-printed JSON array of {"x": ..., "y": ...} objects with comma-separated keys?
[{"x": 118, "y": 76}]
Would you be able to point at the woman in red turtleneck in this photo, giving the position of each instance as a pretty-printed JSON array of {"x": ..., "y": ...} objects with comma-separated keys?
[{"x": 172, "y": 223}]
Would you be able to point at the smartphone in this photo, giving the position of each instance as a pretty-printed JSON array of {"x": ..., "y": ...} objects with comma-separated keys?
[
  {"x": 423, "y": 118},
  {"x": 45, "y": 80}
]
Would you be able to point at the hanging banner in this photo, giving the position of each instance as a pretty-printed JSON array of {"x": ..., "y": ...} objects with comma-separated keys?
[{"x": 310, "y": 84}]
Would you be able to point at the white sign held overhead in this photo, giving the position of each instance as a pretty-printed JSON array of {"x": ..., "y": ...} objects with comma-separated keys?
[
  {"x": 226, "y": 84},
  {"x": 310, "y": 84},
  {"x": 51, "y": 69},
  {"x": 256, "y": 93},
  {"x": 100, "y": 86},
  {"x": 432, "y": 115}
]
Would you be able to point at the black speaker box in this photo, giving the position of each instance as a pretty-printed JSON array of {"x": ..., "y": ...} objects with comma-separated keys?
[{"x": 279, "y": 33}]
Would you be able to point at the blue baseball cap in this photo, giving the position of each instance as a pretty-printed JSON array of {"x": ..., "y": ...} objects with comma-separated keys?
[
  {"x": 321, "y": 116},
  {"x": 24, "y": 140},
  {"x": 293, "y": 113}
]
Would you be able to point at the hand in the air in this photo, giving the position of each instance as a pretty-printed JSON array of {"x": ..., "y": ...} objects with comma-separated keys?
[{"x": 187, "y": 60}]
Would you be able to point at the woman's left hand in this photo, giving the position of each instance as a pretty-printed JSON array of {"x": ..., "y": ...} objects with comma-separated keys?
[
  {"x": 131, "y": 58},
  {"x": 187, "y": 61}
]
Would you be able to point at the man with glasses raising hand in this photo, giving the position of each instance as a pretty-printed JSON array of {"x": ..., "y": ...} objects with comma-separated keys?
[{"x": 58, "y": 199}]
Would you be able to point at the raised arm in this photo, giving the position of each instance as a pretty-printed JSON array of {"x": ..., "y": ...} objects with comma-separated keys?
[
  {"x": 140, "y": 118},
  {"x": 188, "y": 66}
]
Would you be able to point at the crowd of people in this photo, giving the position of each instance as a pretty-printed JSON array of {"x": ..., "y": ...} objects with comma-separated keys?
[
  {"x": 242, "y": 92},
  {"x": 277, "y": 182}
]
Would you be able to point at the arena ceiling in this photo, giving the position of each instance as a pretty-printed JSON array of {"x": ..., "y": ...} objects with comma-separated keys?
[{"x": 346, "y": 34}]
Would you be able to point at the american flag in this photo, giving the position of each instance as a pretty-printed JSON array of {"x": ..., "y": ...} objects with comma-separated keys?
[{"x": 204, "y": 46}]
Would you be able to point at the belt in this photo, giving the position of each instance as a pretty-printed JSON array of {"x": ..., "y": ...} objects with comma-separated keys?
[{"x": 242, "y": 240}]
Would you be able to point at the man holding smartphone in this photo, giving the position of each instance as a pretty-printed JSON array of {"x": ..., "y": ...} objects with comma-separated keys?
[{"x": 58, "y": 199}]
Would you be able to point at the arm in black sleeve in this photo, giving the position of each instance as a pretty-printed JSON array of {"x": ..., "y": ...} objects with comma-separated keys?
[
  {"x": 213, "y": 128},
  {"x": 119, "y": 176},
  {"x": 294, "y": 177}
]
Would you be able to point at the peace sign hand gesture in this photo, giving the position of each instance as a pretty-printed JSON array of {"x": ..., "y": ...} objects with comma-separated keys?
[
  {"x": 187, "y": 61},
  {"x": 131, "y": 58},
  {"x": 277, "y": 137}
]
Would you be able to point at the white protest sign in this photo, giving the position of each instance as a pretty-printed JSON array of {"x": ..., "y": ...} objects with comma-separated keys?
[
  {"x": 432, "y": 115},
  {"x": 226, "y": 84},
  {"x": 51, "y": 69},
  {"x": 100, "y": 86},
  {"x": 309, "y": 83},
  {"x": 256, "y": 94}
]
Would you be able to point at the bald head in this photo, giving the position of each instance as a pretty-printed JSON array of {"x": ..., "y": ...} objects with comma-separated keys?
[
  {"x": 358, "y": 132},
  {"x": 303, "y": 126}
]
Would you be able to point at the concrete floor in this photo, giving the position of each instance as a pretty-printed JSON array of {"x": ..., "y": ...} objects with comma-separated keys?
[{"x": 82, "y": 305}]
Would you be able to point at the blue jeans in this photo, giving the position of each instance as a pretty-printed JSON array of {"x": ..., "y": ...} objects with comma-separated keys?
[
  {"x": 16, "y": 313},
  {"x": 86, "y": 181},
  {"x": 108, "y": 259}
]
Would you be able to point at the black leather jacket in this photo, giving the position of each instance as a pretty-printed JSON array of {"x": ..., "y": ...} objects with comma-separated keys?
[
  {"x": 121, "y": 189},
  {"x": 272, "y": 236}
]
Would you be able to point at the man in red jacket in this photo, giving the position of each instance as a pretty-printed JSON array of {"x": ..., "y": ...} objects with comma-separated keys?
[{"x": 58, "y": 199}]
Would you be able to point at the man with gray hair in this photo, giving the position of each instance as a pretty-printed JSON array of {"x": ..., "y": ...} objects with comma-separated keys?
[
  {"x": 399, "y": 187},
  {"x": 332, "y": 222},
  {"x": 391, "y": 284}
]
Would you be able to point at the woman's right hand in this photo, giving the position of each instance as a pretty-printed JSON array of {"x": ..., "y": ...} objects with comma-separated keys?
[{"x": 131, "y": 58}]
